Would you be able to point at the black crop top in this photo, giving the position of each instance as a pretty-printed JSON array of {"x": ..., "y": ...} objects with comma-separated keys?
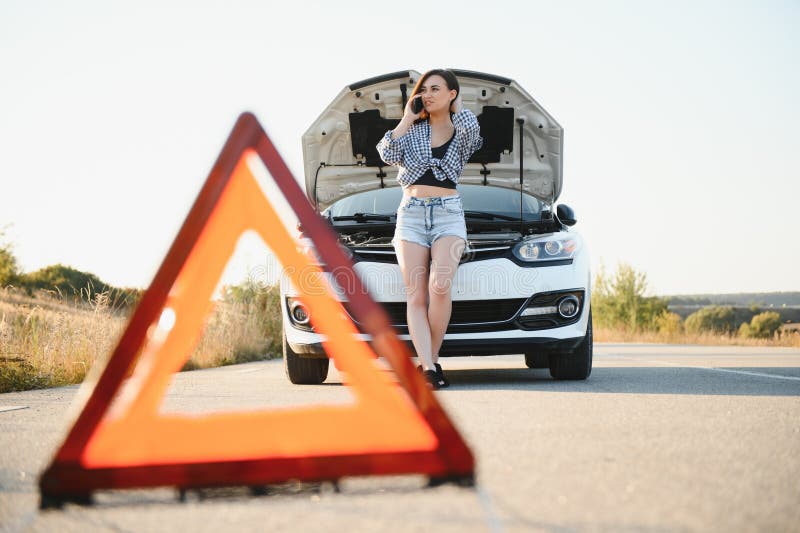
[{"x": 428, "y": 178}]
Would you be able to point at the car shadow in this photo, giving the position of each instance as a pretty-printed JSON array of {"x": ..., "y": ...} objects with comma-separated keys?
[{"x": 728, "y": 381}]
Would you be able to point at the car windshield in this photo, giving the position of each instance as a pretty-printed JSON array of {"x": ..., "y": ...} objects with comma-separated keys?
[{"x": 478, "y": 200}]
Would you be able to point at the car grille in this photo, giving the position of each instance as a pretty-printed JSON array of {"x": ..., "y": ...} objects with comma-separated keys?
[
  {"x": 387, "y": 254},
  {"x": 467, "y": 315}
]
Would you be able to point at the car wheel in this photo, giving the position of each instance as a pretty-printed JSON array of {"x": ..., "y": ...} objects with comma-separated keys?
[
  {"x": 304, "y": 370},
  {"x": 576, "y": 364},
  {"x": 537, "y": 360}
]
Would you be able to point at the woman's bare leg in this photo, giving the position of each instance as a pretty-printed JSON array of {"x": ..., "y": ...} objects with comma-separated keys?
[
  {"x": 414, "y": 260},
  {"x": 445, "y": 255}
]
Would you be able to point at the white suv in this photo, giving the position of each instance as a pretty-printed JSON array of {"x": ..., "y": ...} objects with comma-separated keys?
[{"x": 523, "y": 285}]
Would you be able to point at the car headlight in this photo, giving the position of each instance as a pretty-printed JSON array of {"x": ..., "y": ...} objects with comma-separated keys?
[
  {"x": 298, "y": 311},
  {"x": 546, "y": 249}
]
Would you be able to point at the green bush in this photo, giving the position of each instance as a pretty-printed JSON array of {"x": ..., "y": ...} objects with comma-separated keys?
[
  {"x": 762, "y": 326},
  {"x": 78, "y": 285},
  {"x": 669, "y": 323},
  {"x": 619, "y": 301},
  {"x": 713, "y": 318},
  {"x": 66, "y": 280},
  {"x": 9, "y": 270},
  {"x": 744, "y": 331}
]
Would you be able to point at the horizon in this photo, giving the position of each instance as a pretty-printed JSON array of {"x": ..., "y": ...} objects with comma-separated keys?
[{"x": 679, "y": 120}]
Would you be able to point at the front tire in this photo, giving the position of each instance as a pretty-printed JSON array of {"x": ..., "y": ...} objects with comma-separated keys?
[
  {"x": 576, "y": 364},
  {"x": 303, "y": 370}
]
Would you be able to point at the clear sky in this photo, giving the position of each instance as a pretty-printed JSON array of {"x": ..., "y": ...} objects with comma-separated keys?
[{"x": 682, "y": 151}]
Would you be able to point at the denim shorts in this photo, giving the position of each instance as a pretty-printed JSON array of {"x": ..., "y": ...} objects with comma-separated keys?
[{"x": 423, "y": 220}]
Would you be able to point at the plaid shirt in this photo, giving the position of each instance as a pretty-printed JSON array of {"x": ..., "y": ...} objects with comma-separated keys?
[{"x": 412, "y": 152}]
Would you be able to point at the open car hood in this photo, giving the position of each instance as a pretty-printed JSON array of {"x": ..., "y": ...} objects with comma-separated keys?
[{"x": 339, "y": 152}]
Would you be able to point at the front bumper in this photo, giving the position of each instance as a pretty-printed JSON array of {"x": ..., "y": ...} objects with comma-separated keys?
[
  {"x": 467, "y": 347},
  {"x": 488, "y": 280}
]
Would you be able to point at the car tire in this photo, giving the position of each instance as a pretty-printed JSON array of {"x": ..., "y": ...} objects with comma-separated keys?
[
  {"x": 537, "y": 360},
  {"x": 304, "y": 370},
  {"x": 576, "y": 364}
]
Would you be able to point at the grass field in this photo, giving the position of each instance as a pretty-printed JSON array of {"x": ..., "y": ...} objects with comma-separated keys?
[{"x": 47, "y": 340}]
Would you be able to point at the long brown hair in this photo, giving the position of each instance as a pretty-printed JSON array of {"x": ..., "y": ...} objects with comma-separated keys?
[{"x": 449, "y": 79}]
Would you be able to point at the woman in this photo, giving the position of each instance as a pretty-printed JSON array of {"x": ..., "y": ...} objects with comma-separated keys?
[{"x": 430, "y": 149}]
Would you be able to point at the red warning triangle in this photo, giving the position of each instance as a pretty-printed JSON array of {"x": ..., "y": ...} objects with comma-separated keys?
[{"x": 390, "y": 429}]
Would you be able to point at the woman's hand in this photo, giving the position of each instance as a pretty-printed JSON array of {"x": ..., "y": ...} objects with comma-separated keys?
[
  {"x": 409, "y": 111},
  {"x": 408, "y": 119},
  {"x": 456, "y": 106}
]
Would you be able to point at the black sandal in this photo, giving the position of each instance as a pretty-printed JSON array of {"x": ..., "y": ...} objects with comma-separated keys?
[
  {"x": 433, "y": 378},
  {"x": 442, "y": 379}
]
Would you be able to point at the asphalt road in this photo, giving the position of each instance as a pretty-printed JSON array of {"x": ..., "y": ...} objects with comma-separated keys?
[{"x": 660, "y": 438}]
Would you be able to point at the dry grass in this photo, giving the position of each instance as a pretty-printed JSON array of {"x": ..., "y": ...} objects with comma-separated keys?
[
  {"x": 240, "y": 332},
  {"x": 788, "y": 337},
  {"x": 47, "y": 341}
]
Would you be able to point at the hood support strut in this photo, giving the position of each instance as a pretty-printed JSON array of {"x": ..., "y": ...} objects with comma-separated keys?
[
  {"x": 521, "y": 123},
  {"x": 404, "y": 95},
  {"x": 316, "y": 178}
]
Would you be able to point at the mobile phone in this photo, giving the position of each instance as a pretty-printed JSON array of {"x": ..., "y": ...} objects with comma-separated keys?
[{"x": 416, "y": 105}]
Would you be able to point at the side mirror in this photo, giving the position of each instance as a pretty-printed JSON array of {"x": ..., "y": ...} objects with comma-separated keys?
[{"x": 565, "y": 215}]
